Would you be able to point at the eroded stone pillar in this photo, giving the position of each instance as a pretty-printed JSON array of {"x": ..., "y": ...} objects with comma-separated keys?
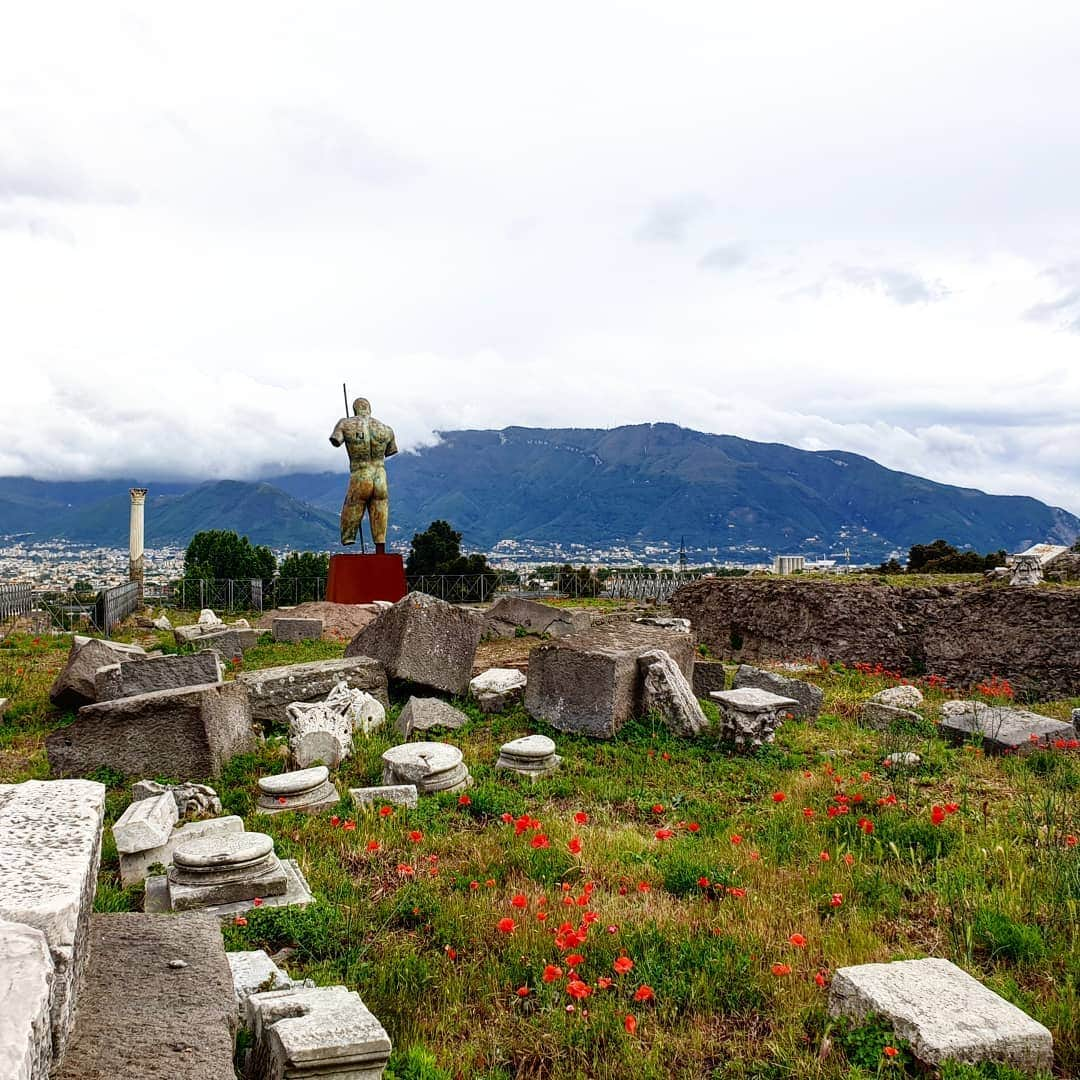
[{"x": 135, "y": 537}]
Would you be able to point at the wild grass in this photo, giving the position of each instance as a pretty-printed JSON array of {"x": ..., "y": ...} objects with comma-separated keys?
[{"x": 710, "y": 871}]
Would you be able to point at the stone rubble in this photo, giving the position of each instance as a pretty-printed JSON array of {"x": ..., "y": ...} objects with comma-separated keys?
[
  {"x": 309, "y": 790},
  {"x": 881, "y": 717},
  {"x": 666, "y": 691},
  {"x": 192, "y": 800},
  {"x": 509, "y": 613},
  {"x": 532, "y": 756},
  {"x": 665, "y": 622},
  {"x": 25, "y": 984},
  {"x": 808, "y": 696},
  {"x": 749, "y": 717},
  {"x": 291, "y": 629},
  {"x": 496, "y": 689},
  {"x": 272, "y": 690},
  {"x": 708, "y": 675},
  {"x": 423, "y": 640},
  {"x": 323, "y": 730},
  {"x": 904, "y": 696},
  {"x": 146, "y": 823},
  {"x": 425, "y": 713},
  {"x": 255, "y": 973},
  {"x": 431, "y": 766},
  {"x": 943, "y": 1012},
  {"x": 75, "y": 685},
  {"x": 135, "y": 865},
  {"x": 157, "y": 673}
]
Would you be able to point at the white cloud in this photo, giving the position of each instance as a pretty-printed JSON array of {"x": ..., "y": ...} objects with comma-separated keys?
[{"x": 776, "y": 222}]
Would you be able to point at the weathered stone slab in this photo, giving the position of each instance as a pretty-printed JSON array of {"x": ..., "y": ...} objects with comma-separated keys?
[
  {"x": 146, "y": 823},
  {"x": 308, "y": 790},
  {"x": 188, "y": 732},
  {"x": 224, "y": 869},
  {"x": 665, "y": 622},
  {"x": 135, "y": 866},
  {"x": 230, "y": 642},
  {"x": 807, "y": 696},
  {"x": 50, "y": 850},
  {"x": 531, "y": 755},
  {"x": 286, "y": 628},
  {"x": 26, "y": 975},
  {"x": 1002, "y": 729},
  {"x": 75, "y": 685},
  {"x": 423, "y": 714},
  {"x": 496, "y": 689},
  {"x": 510, "y": 612},
  {"x": 297, "y": 894},
  {"x": 667, "y": 692},
  {"x": 389, "y": 794},
  {"x": 423, "y": 640},
  {"x": 709, "y": 675},
  {"x": 749, "y": 717},
  {"x": 254, "y": 973},
  {"x": 324, "y": 1031},
  {"x": 943, "y": 1012},
  {"x": 142, "y": 1017},
  {"x": 272, "y": 690},
  {"x": 881, "y": 717},
  {"x": 590, "y": 683},
  {"x": 157, "y": 673},
  {"x": 431, "y": 766}
]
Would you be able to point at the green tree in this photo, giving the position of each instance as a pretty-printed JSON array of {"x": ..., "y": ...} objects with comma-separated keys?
[
  {"x": 301, "y": 576},
  {"x": 1076, "y": 546},
  {"x": 221, "y": 553},
  {"x": 942, "y": 558},
  {"x": 437, "y": 551}
]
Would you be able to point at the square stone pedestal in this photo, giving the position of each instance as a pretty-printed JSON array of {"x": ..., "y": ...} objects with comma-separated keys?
[{"x": 360, "y": 579}]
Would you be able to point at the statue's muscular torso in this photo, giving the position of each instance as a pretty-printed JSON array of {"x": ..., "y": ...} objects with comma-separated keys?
[{"x": 367, "y": 440}]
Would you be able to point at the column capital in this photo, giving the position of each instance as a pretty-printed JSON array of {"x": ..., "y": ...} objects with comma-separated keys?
[{"x": 138, "y": 495}]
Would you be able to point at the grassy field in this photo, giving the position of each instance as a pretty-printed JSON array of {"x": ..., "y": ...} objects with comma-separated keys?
[{"x": 661, "y": 907}]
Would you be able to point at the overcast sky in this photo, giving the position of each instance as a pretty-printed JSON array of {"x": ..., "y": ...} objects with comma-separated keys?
[{"x": 850, "y": 226}]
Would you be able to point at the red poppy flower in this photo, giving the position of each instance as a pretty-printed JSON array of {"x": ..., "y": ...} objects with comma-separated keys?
[
  {"x": 819, "y": 978},
  {"x": 849, "y": 859},
  {"x": 506, "y": 926},
  {"x": 866, "y": 825},
  {"x": 657, "y": 808},
  {"x": 951, "y": 807},
  {"x": 540, "y": 841},
  {"x": 798, "y": 941},
  {"x": 574, "y": 959},
  {"x": 836, "y": 899},
  {"x": 464, "y": 800},
  {"x": 257, "y": 902},
  {"x": 1070, "y": 840},
  {"x": 890, "y": 1051},
  {"x": 416, "y": 836},
  {"x": 703, "y": 882},
  {"x": 474, "y": 884},
  {"x": 622, "y": 965},
  {"x": 451, "y": 952},
  {"x": 808, "y": 813},
  {"x": 385, "y": 811},
  {"x": 574, "y": 846},
  {"x": 664, "y": 834},
  {"x": 778, "y": 796},
  {"x": 603, "y": 982},
  {"x": 578, "y": 989},
  {"x": 490, "y": 883},
  {"x": 780, "y": 970},
  {"x": 335, "y": 821},
  {"x": 693, "y": 826},
  {"x": 239, "y": 921},
  {"x": 373, "y": 845},
  {"x": 643, "y": 886},
  {"x": 507, "y": 818},
  {"x": 630, "y": 1023},
  {"x": 282, "y": 800},
  {"x": 733, "y": 890},
  {"x": 519, "y": 900},
  {"x": 581, "y": 818},
  {"x": 644, "y": 993},
  {"x": 541, "y": 916},
  {"x": 937, "y": 814},
  {"x": 736, "y": 839},
  {"x": 349, "y": 826},
  {"x": 551, "y": 973},
  {"x": 405, "y": 870},
  {"x": 824, "y": 856}
]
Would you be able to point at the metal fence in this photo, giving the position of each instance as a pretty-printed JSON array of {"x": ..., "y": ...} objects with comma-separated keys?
[
  {"x": 658, "y": 586},
  {"x": 16, "y": 598},
  {"x": 114, "y": 605}
]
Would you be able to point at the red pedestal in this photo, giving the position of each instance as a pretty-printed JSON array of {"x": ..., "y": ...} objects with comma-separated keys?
[{"x": 359, "y": 579}]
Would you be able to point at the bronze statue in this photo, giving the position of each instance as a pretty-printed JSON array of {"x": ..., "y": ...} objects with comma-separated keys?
[{"x": 369, "y": 443}]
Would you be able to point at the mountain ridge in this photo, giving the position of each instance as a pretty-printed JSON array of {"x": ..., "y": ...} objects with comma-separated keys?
[{"x": 633, "y": 485}]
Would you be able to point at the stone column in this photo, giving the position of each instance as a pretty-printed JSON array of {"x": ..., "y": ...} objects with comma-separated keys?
[{"x": 135, "y": 537}]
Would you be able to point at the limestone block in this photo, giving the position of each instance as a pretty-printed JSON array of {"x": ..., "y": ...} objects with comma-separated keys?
[
  {"x": 423, "y": 714},
  {"x": 510, "y": 612},
  {"x": 296, "y": 629},
  {"x": 50, "y": 850},
  {"x": 423, "y": 640},
  {"x": 208, "y": 618},
  {"x": 254, "y": 973},
  {"x": 187, "y": 732},
  {"x": 26, "y": 976},
  {"x": 749, "y": 717},
  {"x": 431, "y": 766},
  {"x": 665, "y": 622},
  {"x": 881, "y": 717},
  {"x": 324, "y": 1031},
  {"x": 297, "y": 894},
  {"x": 146, "y": 823},
  {"x": 135, "y": 866},
  {"x": 157, "y": 673},
  {"x": 900, "y": 697},
  {"x": 667, "y": 692},
  {"x": 162, "y": 623},
  {"x": 158, "y": 1001},
  {"x": 308, "y": 790},
  {"x": 230, "y": 641},
  {"x": 272, "y": 690},
  {"x": 496, "y": 689},
  {"x": 75, "y": 685},
  {"x": 590, "y": 683},
  {"x": 224, "y": 869},
  {"x": 532, "y": 756},
  {"x": 709, "y": 675},
  {"x": 388, "y": 794},
  {"x": 943, "y": 1012},
  {"x": 1002, "y": 729},
  {"x": 808, "y": 696}
]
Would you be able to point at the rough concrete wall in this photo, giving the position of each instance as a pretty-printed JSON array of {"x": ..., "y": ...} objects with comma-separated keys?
[{"x": 966, "y": 633}]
